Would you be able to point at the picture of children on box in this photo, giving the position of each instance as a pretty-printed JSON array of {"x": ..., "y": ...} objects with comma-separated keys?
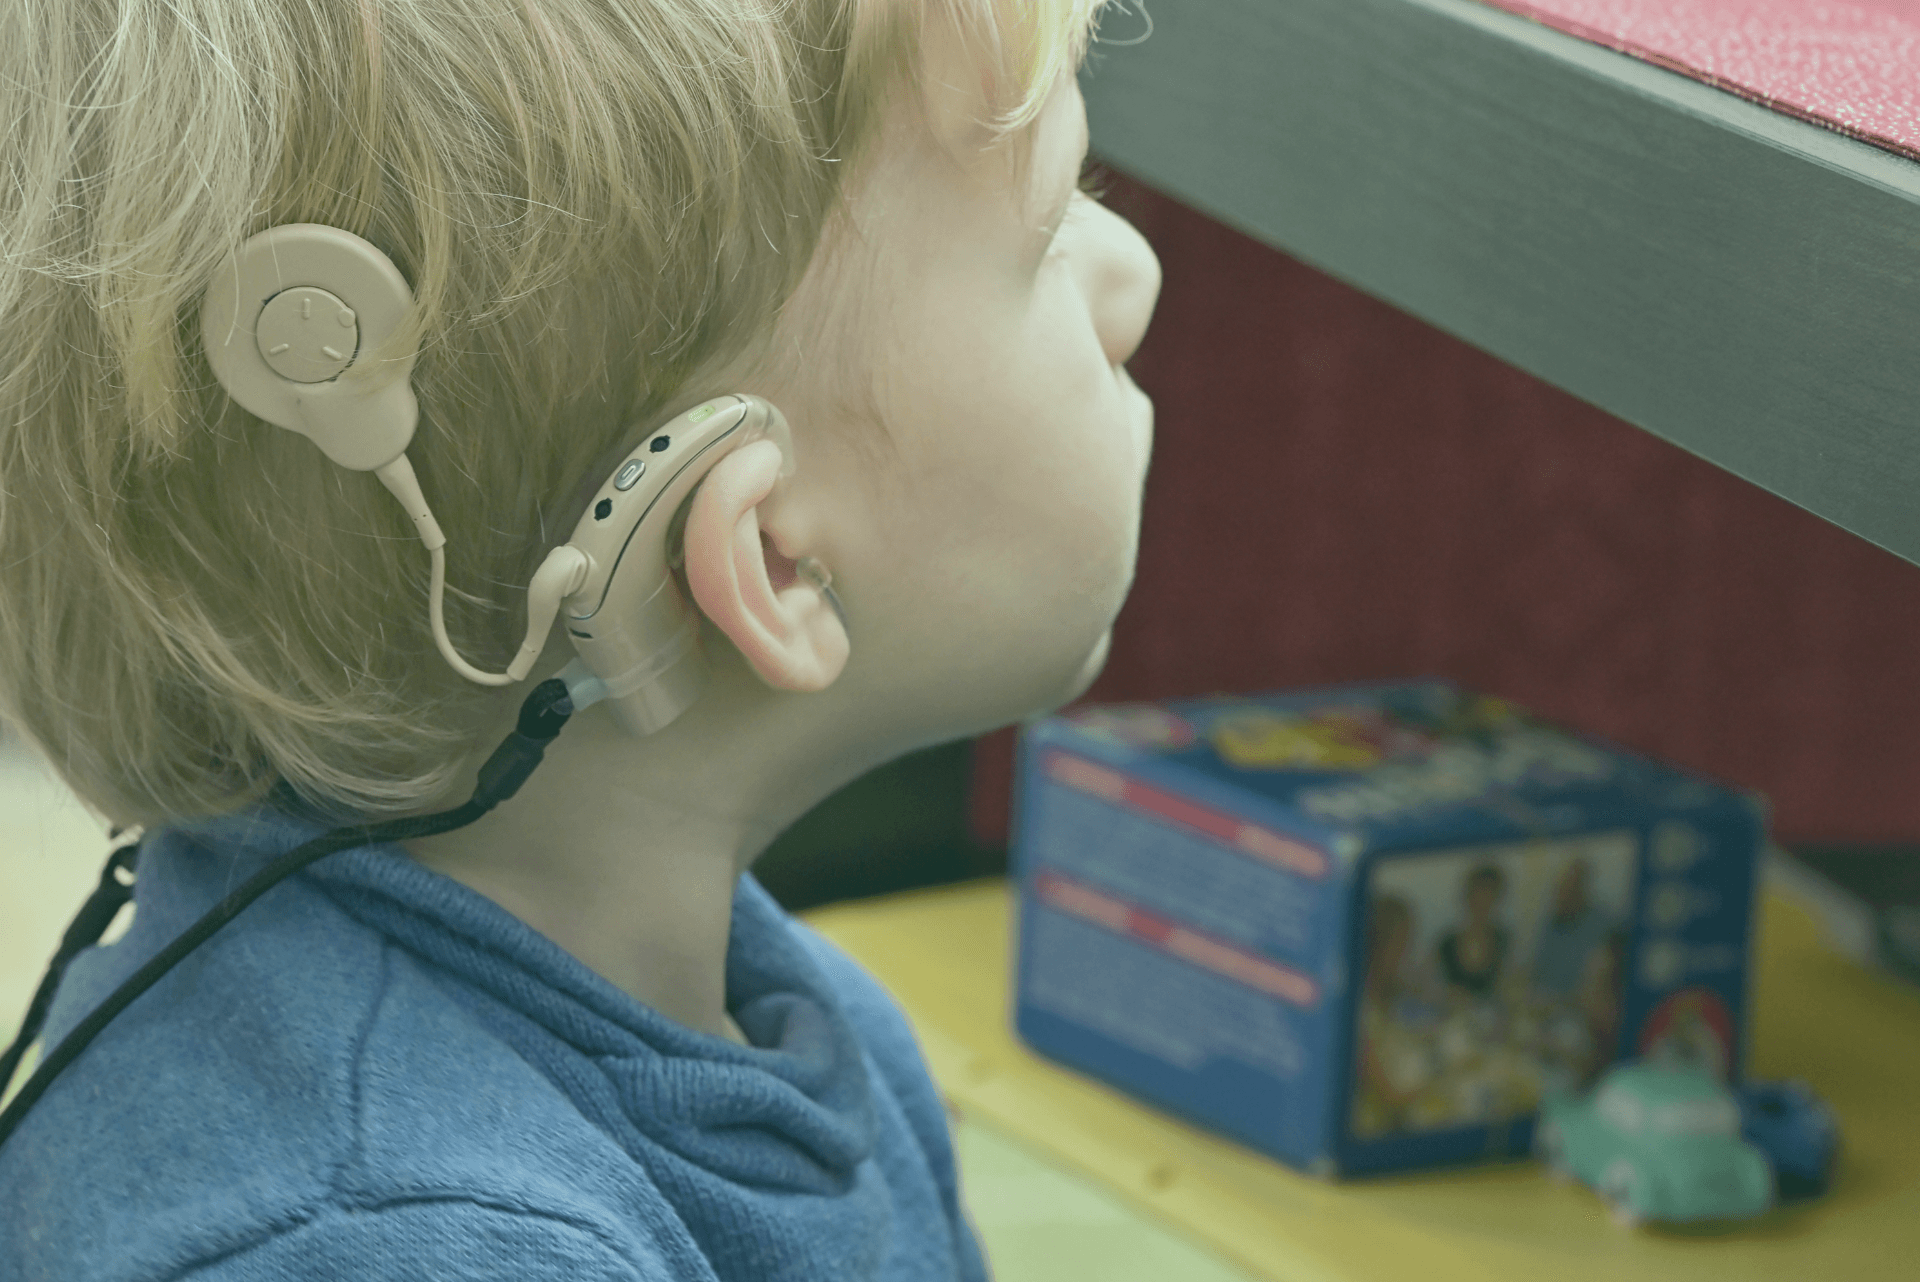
[
  {"x": 1569, "y": 937},
  {"x": 1470, "y": 956},
  {"x": 1393, "y": 1060},
  {"x": 1491, "y": 974}
]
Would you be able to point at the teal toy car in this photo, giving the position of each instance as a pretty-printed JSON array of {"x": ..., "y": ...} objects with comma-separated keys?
[{"x": 1657, "y": 1143}]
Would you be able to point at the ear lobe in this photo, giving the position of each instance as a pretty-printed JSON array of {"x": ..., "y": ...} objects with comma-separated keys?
[{"x": 781, "y": 623}]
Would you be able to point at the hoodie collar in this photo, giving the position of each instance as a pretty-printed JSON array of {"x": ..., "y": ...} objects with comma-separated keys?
[{"x": 794, "y": 1111}]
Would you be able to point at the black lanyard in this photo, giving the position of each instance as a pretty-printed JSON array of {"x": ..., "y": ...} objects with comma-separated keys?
[{"x": 542, "y": 716}]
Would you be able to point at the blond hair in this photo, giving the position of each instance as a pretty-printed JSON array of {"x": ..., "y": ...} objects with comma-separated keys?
[{"x": 591, "y": 199}]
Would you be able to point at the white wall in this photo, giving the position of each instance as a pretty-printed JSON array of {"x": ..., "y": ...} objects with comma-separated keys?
[{"x": 51, "y": 851}]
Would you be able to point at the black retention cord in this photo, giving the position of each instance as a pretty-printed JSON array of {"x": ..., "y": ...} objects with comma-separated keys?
[{"x": 542, "y": 717}]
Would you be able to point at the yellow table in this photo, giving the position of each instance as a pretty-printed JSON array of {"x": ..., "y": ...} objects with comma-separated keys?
[{"x": 1853, "y": 1035}]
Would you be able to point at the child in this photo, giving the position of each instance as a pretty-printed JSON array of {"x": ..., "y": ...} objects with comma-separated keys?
[
  {"x": 1393, "y": 1064},
  {"x": 1471, "y": 955},
  {"x": 572, "y": 1040},
  {"x": 1575, "y": 927}
]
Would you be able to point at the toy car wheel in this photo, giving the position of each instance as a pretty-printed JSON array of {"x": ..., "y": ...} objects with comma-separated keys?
[
  {"x": 1550, "y": 1142},
  {"x": 1618, "y": 1185}
]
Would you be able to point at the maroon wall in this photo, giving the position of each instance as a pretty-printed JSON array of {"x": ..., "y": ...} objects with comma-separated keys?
[{"x": 1340, "y": 492}]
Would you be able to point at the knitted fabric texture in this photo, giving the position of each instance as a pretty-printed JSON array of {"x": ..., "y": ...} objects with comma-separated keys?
[{"x": 375, "y": 1072}]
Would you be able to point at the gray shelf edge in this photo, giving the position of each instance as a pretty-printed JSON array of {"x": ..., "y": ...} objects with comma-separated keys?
[{"x": 1734, "y": 280}]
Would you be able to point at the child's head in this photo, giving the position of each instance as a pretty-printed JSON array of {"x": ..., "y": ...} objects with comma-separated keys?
[
  {"x": 1570, "y": 892},
  {"x": 1482, "y": 891},
  {"x": 607, "y": 210}
]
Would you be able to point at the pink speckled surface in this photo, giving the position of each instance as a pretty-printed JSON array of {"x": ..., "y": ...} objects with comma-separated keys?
[{"x": 1853, "y": 67}]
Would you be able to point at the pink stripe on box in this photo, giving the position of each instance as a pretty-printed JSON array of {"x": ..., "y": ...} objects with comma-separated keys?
[
  {"x": 1077, "y": 899},
  {"x": 1850, "y": 67},
  {"x": 1229, "y": 830},
  {"x": 1086, "y": 776},
  {"x": 1292, "y": 855},
  {"x": 1083, "y": 902}
]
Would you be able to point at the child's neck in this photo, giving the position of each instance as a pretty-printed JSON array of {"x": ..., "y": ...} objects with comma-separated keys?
[
  {"x": 626, "y": 852},
  {"x": 649, "y": 911}
]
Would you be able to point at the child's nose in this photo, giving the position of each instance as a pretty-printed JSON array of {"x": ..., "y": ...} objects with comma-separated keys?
[{"x": 1121, "y": 278}]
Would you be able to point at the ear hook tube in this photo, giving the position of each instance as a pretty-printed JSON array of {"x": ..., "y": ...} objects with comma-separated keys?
[
  {"x": 560, "y": 575},
  {"x": 810, "y": 569}
]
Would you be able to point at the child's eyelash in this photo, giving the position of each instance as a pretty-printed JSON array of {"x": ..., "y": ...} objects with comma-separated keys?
[{"x": 1095, "y": 179}]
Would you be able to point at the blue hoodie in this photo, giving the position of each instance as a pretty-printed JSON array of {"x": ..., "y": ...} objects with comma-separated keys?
[{"x": 376, "y": 1073}]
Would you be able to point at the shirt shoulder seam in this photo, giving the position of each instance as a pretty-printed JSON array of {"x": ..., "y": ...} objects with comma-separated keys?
[{"x": 356, "y": 1128}]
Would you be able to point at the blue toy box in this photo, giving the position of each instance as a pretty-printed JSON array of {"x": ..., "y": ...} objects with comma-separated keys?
[{"x": 1364, "y": 928}]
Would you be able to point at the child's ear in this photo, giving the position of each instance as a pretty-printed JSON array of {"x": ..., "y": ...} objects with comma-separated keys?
[{"x": 783, "y": 624}]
